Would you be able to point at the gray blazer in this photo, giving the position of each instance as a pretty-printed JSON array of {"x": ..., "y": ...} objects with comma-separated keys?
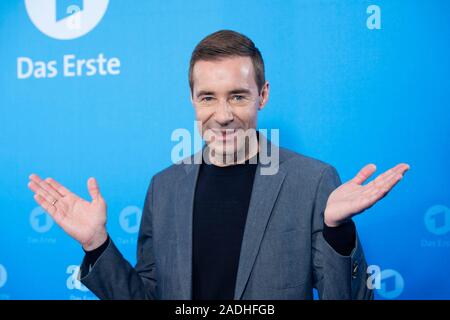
[{"x": 283, "y": 253}]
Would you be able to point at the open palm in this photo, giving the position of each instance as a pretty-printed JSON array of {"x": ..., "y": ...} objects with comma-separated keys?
[
  {"x": 353, "y": 197},
  {"x": 83, "y": 220}
]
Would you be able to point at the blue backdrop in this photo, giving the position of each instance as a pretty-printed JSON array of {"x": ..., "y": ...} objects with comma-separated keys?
[{"x": 352, "y": 82}]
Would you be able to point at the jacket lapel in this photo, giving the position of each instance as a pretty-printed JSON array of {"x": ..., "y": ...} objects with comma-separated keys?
[
  {"x": 183, "y": 223},
  {"x": 265, "y": 192}
]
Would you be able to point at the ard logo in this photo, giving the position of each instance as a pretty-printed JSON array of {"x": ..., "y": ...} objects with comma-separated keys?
[{"x": 66, "y": 19}]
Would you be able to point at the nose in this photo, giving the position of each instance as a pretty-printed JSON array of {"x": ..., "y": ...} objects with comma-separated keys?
[{"x": 223, "y": 114}]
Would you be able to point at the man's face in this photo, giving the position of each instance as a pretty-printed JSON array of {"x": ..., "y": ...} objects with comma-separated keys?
[{"x": 226, "y": 98}]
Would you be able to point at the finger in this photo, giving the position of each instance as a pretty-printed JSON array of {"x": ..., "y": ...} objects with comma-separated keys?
[
  {"x": 45, "y": 204},
  {"x": 44, "y": 185},
  {"x": 402, "y": 168},
  {"x": 93, "y": 188},
  {"x": 399, "y": 168},
  {"x": 34, "y": 177},
  {"x": 383, "y": 184},
  {"x": 390, "y": 183},
  {"x": 364, "y": 173},
  {"x": 58, "y": 187},
  {"x": 382, "y": 178},
  {"x": 47, "y": 180},
  {"x": 51, "y": 210},
  {"x": 36, "y": 188},
  {"x": 379, "y": 181},
  {"x": 382, "y": 190}
]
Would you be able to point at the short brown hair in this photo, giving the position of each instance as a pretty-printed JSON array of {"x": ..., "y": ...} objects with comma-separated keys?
[{"x": 227, "y": 43}]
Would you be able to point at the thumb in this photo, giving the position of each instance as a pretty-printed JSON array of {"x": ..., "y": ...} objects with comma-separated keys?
[{"x": 93, "y": 189}]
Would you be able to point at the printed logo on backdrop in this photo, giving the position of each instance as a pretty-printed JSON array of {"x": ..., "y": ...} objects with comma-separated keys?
[
  {"x": 389, "y": 283},
  {"x": 392, "y": 284},
  {"x": 437, "y": 223},
  {"x": 66, "y": 19},
  {"x": 129, "y": 221},
  {"x": 437, "y": 220},
  {"x": 41, "y": 223}
]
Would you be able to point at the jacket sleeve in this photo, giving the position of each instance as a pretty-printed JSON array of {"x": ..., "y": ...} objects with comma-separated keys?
[
  {"x": 112, "y": 277},
  {"x": 335, "y": 276}
]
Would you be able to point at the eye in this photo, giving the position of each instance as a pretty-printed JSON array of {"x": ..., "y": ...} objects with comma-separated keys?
[
  {"x": 206, "y": 99},
  {"x": 238, "y": 97}
]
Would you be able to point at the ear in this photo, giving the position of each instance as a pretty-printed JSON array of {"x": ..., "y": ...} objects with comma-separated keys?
[{"x": 264, "y": 95}]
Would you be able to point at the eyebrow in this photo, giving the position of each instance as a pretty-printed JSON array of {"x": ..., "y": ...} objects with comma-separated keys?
[
  {"x": 234, "y": 91},
  {"x": 239, "y": 91},
  {"x": 205, "y": 93}
]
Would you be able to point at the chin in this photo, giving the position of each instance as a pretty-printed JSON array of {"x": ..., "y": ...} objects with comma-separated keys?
[{"x": 220, "y": 149}]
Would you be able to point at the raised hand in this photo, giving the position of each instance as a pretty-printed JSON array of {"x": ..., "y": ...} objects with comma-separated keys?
[
  {"x": 82, "y": 220},
  {"x": 352, "y": 198}
]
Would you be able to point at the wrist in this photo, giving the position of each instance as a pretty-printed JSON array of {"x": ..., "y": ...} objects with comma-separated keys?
[
  {"x": 332, "y": 223},
  {"x": 99, "y": 238}
]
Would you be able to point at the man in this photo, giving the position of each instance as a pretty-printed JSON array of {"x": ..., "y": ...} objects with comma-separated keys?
[{"x": 222, "y": 229}]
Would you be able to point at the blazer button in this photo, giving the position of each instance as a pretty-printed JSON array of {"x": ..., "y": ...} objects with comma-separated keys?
[{"x": 355, "y": 269}]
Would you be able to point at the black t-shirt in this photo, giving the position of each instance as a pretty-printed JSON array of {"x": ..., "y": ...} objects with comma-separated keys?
[{"x": 221, "y": 202}]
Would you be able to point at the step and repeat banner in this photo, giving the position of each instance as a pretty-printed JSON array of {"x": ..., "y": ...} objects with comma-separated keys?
[{"x": 97, "y": 87}]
